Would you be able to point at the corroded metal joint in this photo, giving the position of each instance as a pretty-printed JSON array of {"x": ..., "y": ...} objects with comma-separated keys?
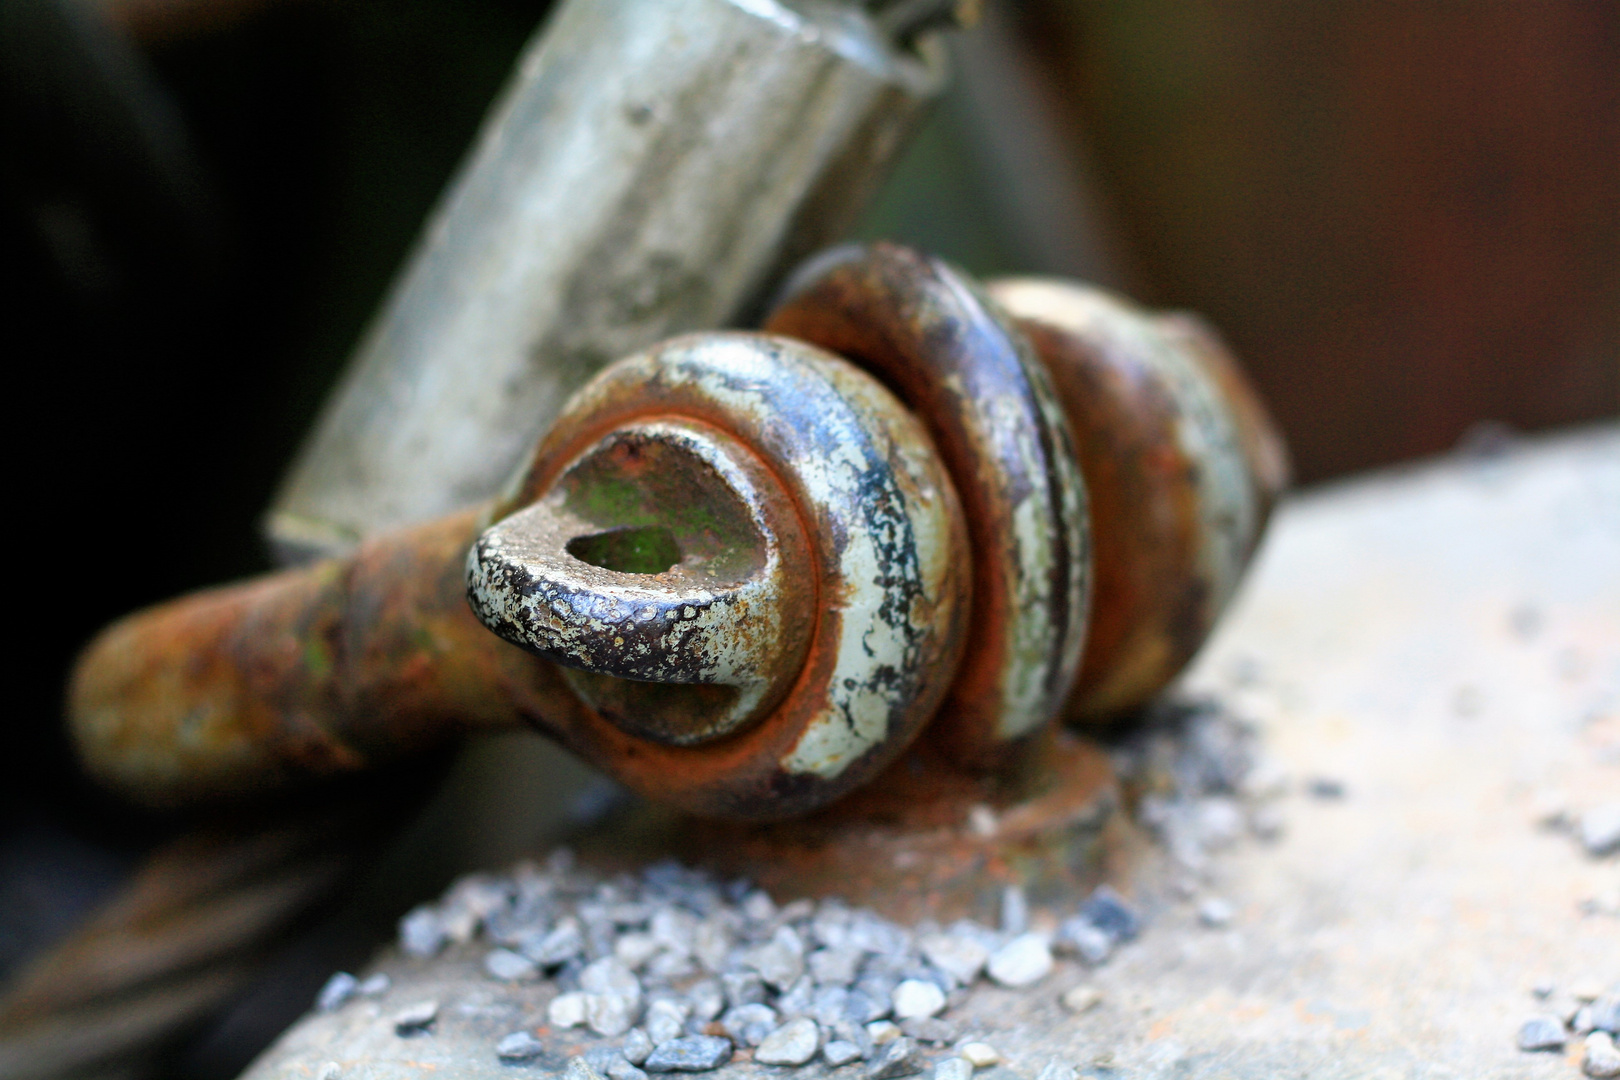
[
  {"x": 665, "y": 554},
  {"x": 745, "y": 571},
  {"x": 827, "y": 516}
]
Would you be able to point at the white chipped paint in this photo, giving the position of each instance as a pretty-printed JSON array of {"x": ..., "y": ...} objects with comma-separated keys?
[
  {"x": 724, "y": 635},
  {"x": 856, "y": 712},
  {"x": 1043, "y": 655},
  {"x": 849, "y": 413}
]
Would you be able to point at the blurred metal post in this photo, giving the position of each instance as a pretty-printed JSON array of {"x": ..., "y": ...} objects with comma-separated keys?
[{"x": 652, "y": 168}]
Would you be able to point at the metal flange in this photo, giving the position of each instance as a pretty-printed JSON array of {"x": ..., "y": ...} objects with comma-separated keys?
[
  {"x": 928, "y": 332},
  {"x": 1182, "y": 463}
]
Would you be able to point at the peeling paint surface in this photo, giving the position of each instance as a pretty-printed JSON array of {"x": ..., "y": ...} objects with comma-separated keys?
[
  {"x": 727, "y": 614},
  {"x": 950, "y": 355},
  {"x": 884, "y": 541}
]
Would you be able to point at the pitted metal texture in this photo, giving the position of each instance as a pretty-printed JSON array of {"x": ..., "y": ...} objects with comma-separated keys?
[
  {"x": 666, "y": 553},
  {"x": 932, "y": 337},
  {"x": 743, "y": 569},
  {"x": 883, "y": 599}
]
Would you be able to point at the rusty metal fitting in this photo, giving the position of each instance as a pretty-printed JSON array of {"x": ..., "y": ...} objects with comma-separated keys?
[
  {"x": 750, "y": 565},
  {"x": 818, "y": 584},
  {"x": 821, "y": 577},
  {"x": 928, "y": 333},
  {"x": 1183, "y": 465}
]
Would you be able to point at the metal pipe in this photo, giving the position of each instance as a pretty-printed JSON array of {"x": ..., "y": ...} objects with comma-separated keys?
[{"x": 651, "y": 169}]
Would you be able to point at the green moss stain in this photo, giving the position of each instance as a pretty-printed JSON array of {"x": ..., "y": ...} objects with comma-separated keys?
[{"x": 645, "y": 550}]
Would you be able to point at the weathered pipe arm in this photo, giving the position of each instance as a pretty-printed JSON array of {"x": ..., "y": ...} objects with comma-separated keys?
[
  {"x": 744, "y": 572},
  {"x": 654, "y": 167}
]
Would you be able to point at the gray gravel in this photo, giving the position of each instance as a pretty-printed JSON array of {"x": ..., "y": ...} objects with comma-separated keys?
[
  {"x": 1216, "y": 913},
  {"x": 1600, "y": 829},
  {"x": 839, "y": 1052},
  {"x": 415, "y": 1019},
  {"x": 519, "y": 1046},
  {"x": 1023, "y": 961},
  {"x": 1600, "y": 1059},
  {"x": 896, "y": 1058},
  {"x": 794, "y": 1043},
  {"x": 337, "y": 992},
  {"x": 672, "y": 968},
  {"x": 508, "y": 966},
  {"x": 692, "y": 1053},
  {"x": 1545, "y": 1032},
  {"x": 636, "y": 1046}
]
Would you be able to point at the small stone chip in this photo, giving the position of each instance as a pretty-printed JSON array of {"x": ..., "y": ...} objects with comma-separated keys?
[
  {"x": 897, "y": 1058},
  {"x": 779, "y": 961},
  {"x": 980, "y": 1055},
  {"x": 416, "y": 1019},
  {"x": 794, "y": 1043},
  {"x": 1089, "y": 943},
  {"x": 337, "y": 991},
  {"x": 609, "y": 976},
  {"x": 580, "y": 1069},
  {"x": 636, "y": 1046},
  {"x": 883, "y": 1032},
  {"x": 1601, "y": 1060},
  {"x": 953, "y": 1068},
  {"x": 508, "y": 966},
  {"x": 1216, "y": 913},
  {"x": 690, "y": 1053},
  {"x": 840, "y": 1052},
  {"x": 565, "y": 941},
  {"x": 519, "y": 1046},
  {"x": 707, "y": 999},
  {"x": 799, "y": 999},
  {"x": 634, "y": 950},
  {"x": 930, "y": 1030},
  {"x": 1023, "y": 961},
  {"x": 960, "y": 957},
  {"x": 610, "y": 1015},
  {"x": 421, "y": 933},
  {"x": 1606, "y": 1014},
  {"x": 742, "y": 988},
  {"x": 1544, "y": 1032},
  {"x": 1109, "y": 912},
  {"x": 620, "y": 1069},
  {"x": 567, "y": 1010},
  {"x": 749, "y": 1024},
  {"x": 1058, "y": 1070},
  {"x": 1324, "y": 788},
  {"x": 835, "y": 967},
  {"x": 915, "y": 998},
  {"x": 1079, "y": 999},
  {"x": 1600, "y": 829},
  {"x": 665, "y": 1020}
]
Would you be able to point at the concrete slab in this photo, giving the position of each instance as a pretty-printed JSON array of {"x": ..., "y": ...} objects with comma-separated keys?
[{"x": 1444, "y": 643}]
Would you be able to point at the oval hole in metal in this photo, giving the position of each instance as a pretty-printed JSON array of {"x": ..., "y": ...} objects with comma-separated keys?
[{"x": 648, "y": 549}]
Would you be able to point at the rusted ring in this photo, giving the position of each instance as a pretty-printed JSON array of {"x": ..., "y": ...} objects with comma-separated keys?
[
  {"x": 933, "y": 338},
  {"x": 666, "y": 553},
  {"x": 884, "y": 538},
  {"x": 1182, "y": 464}
]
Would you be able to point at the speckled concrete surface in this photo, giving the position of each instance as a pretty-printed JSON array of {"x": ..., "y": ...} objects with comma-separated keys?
[{"x": 1444, "y": 642}]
